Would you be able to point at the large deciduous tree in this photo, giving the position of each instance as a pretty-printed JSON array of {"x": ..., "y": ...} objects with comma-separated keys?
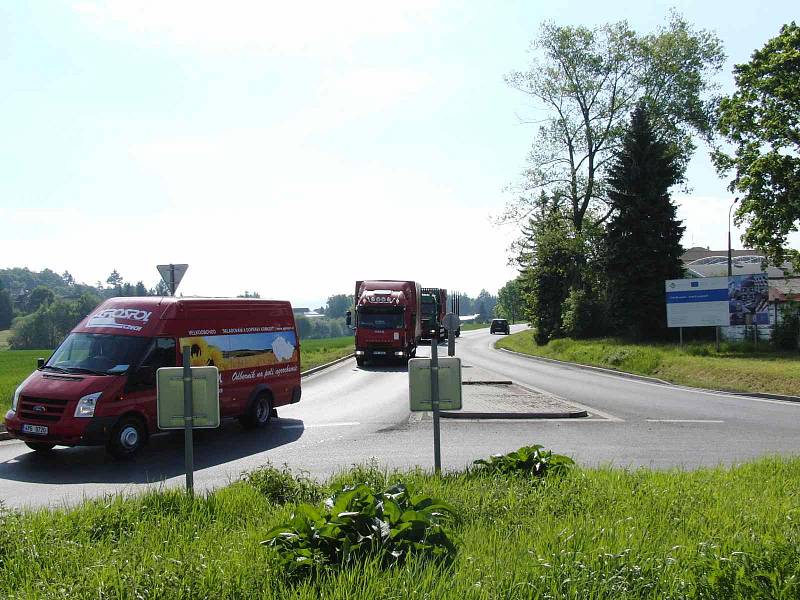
[
  {"x": 762, "y": 122},
  {"x": 6, "y": 308},
  {"x": 586, "y": 81},
  {"x": 642, "y": 239}
]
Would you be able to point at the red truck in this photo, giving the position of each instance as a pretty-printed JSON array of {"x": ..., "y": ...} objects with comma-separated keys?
[
  {"x": 387, "y": 320},
  {"x": 434, "y": 308},
  {"x": 99, "y": 386}
]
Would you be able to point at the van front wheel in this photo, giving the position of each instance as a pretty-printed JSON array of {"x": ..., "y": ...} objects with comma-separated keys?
[
  {"x": 127, "y": 438},
  {"x": 259, "y": 414}
]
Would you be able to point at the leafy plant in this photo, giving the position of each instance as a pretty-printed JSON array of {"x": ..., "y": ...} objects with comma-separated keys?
[
  {"x": 280, "y": 486},
  {"x": 530, "y": 460},
  {"x": 359, "y": 523}
]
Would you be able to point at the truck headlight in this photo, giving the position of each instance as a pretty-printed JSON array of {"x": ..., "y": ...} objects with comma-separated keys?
[
  {"x": 400, "y": 353},
  {"x": 87, "y": 404}
]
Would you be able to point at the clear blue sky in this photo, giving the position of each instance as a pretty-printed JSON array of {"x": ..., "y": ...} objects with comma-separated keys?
[{"x": 291, "y": 148}]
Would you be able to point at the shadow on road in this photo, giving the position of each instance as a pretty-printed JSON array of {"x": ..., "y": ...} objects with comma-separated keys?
[
  {"x": 385, "y": 368},
  {"x": 162, "y": 458}
]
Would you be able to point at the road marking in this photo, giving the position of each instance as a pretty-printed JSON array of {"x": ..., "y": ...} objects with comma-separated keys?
[
  {"x": 314, "y": 425},
  {"x": 683, "y": 421}
]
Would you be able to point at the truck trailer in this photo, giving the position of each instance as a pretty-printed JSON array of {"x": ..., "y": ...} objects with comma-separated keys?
[
  {"x": 434, "y": 308},
  {"x": 387, "y": 320}
]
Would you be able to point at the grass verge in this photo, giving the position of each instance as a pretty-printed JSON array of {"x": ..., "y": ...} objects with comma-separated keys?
[
  {"x": 16, "y": 365},
  {"x": 595, "y": 533},
  {"x": 471, "y": 326},
  {"x": 735, "y": 368}
]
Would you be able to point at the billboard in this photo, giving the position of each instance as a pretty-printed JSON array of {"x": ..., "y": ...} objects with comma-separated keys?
[{"x": 718, "y": 301}]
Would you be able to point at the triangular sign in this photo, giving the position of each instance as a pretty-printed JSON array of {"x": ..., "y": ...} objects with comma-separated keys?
[{"x": 172, "y": 275}]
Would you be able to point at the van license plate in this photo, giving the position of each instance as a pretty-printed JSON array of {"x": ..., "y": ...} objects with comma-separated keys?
[{"x": 34, "y": 429}]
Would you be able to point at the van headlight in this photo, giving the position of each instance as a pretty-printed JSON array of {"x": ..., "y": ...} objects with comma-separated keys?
[
  {"x": 15, "y": 401},
  {"x": 87, "y": 404}
]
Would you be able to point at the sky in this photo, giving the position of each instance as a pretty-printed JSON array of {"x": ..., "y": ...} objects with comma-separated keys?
[{"x": 292, "y": 148}]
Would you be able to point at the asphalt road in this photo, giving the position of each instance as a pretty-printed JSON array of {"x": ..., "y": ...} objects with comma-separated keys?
[{"x": 349, "y": 415}]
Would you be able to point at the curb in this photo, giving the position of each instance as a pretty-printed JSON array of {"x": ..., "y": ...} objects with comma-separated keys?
[
  {"x": 655, "y": 380},
  {"x": 319, "y": 368},
  {"x": 499, "y": 382},
  {"x": 572, "y": 414}
]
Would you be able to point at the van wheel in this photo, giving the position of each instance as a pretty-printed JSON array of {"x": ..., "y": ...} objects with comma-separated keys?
[
  {"x": 259, "y": 413},
  {"x": 127, "y": 438},
  {"x": 40, "y": 446}
]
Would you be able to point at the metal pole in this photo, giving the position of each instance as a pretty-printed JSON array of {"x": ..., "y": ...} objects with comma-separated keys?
[
  {"x": 437, "y": 451},
  {"x": 188, "y": 420},
  {"x": 717, "y": 330},
  {"x": 680, "y": 337},
  {"x": 451, "y": 342},
  {"x": 172, "y": 279},
  {"x": 730, "y": 257}
]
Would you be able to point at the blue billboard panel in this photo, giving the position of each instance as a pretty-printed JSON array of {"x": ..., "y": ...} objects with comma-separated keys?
[{"x": 713, "y": 301}]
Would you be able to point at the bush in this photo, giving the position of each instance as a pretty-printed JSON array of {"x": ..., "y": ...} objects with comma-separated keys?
[
  {"x": 786, "y": 332},
  {"x": 281, "y": 486},
  {"x": 359, "y": 524},
  {"x": 528, "y": 460},
  {"x": 582, "y": 316}
]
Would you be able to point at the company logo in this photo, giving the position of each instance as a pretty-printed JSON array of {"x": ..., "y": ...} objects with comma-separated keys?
[
  {"x": 110, "y": 318},
  {"x": 39, "y": 408}
]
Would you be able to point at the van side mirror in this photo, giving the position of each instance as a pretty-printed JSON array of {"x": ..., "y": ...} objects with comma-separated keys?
[
  {"x": 40, "y": 363},
  {"x": 348, "y": 318},
  {"x": 144, "y": 375}
]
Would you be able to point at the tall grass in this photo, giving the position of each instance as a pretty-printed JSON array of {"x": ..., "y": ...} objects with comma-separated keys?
[
  {"x": 595, "y": 533},
  {"x": 736, "y": 367}
]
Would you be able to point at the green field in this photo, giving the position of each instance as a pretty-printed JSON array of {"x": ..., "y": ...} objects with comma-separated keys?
[
  {"x": 735, "y": 368},
  {"x": 16, "y": 365},
  {"x": 471, "y": 326},
  {"x": 597, "y": 533}
]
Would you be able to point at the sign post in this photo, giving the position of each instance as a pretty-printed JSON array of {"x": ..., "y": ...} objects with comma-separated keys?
[
  {"x": 172, "y": 275},
  {"x": 437, "y": 450},
  {"x": 188, "y": 417},
  {"x": 451, "y": 324},
  {"x": 187, "y": 398}
]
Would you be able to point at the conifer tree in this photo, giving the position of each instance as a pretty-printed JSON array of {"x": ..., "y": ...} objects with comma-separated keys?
[{"x": 642, "y": 240}]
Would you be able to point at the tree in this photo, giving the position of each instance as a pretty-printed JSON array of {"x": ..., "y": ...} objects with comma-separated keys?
[
  {"x": 115, "y": 279},
  {"x": 68, "y": 278},
  {"x": 338, "y": 305},
  {"x": 642, "y": 240},
  {"x": 589, "y": 82},
  {"x": 509, "y": 300},
  {"x": 6, "y": 308},
  {"x": 762, "y": 121},
  {"x": 248, "y": 294},
  {"x": 38, "y": 297},
  {"x": 160, "y": 289}
]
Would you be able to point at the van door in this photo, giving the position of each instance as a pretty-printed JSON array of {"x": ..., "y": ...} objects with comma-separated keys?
[{"x": 141, "y": 387}]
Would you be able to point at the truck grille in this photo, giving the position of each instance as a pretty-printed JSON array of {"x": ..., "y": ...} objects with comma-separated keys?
[{"x": 51, "y": 411}]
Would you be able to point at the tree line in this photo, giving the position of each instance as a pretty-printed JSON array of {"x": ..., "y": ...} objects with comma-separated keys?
[{"x": 619, "y": 116}]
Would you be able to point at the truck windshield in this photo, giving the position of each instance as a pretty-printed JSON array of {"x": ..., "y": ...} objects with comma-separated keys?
[
  {"x": 380, "y": 320},
  {"x": 428, "y": 307},
  {"x": 97, "y": 353}
]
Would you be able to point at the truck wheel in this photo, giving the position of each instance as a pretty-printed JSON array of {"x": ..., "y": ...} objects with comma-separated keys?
[
  {"x": 40, "y": 446},
  {"x": 127, "y": 438},
  {"x": 259, "y": 413},
  {"x": 360, "y": 361}
]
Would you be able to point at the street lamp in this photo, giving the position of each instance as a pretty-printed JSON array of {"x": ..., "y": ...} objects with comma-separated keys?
[{"x": 730, "y": 259}]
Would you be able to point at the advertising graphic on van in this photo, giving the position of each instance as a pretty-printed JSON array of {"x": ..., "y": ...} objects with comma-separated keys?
[
  {"x": 114, "y": 318},
  {"x": 242, "y": 351}
]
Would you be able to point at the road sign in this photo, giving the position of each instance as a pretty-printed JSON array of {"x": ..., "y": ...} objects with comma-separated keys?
[
  {"x": 172, "y": 275},
  {"x": 205, "y": 397},
  {"x": 451, "y": 322},
  {"x": 419, "y": 384}
]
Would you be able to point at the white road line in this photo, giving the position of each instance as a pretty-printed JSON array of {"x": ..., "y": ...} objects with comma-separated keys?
[
  {"x": 683, "y": 421},
  {"x": 314, "y": 425}
]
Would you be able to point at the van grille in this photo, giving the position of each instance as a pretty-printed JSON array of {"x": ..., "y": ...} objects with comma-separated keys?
[{"x": 50, "y": 412}]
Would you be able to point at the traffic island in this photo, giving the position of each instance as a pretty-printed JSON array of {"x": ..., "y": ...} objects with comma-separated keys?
[{"x": 486, "y": 399}]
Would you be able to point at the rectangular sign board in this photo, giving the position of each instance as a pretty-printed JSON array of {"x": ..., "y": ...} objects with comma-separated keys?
[
  {"x": 205, "y": 397},
  {"x": 419, "y": 384},
  {"x": 718, "y": 301}
]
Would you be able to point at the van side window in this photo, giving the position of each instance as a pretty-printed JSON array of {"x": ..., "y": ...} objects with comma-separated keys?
[{"x": 161, "y": 354}]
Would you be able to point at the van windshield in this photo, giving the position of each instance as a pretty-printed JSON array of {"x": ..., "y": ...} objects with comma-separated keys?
[{"x": 98, "y": 353}]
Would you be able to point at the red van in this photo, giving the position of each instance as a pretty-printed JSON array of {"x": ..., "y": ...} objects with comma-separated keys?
[{"x": 98, "y": 387}]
